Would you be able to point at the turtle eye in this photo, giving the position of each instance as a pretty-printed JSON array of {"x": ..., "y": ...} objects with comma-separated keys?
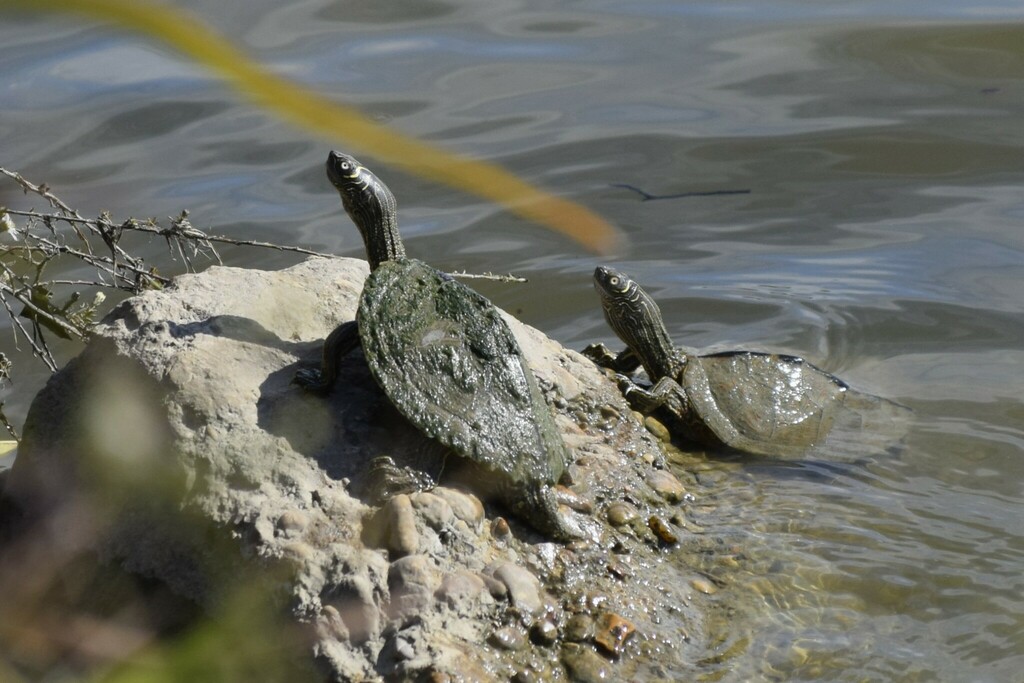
[{"x": 614, "y": 282}]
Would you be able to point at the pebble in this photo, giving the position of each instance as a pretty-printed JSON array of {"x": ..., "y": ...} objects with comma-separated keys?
[
  {"x": 662, "y": 530},
  {"x": 509, "y": 638},
  {"x": 500, "y": 528},
  {"x": 298, "y": 551},
  {"x": 434, "y": 510},
  {"x": 292, "y": 522},
  {"x": 612, "y": 632},
  {"x": 465, "y": 506},
  {"x": 402, "y": 538},
  {"x": 621, "y": 513},
  {"x": 460, "y": 589},
  {"x": 543, "y": 632},
  {"x": 619, "y": 570},
  {"x": 523, "y": 587},
  {"x": 704, "y": 586},
  {"x": 665, "y": 484},
  {"x": 659, "y": 430},
  {"x": 496, "y": 588},
  {"x": 579, "y": 628},
  {"x": 411, "y": 581},
  {"x": 585, "y": 665},
  {"x": 571, "y": 499}
]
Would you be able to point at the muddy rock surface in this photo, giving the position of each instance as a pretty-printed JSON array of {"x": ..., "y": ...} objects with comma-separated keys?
[{"x": 181, "y": 416}]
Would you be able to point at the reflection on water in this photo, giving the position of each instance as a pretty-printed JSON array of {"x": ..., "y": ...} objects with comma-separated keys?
[{"x": 881, "y": 240}]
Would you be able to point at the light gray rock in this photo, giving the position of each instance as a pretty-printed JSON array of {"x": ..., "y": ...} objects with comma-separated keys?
[{"x": 175, "y": 445}]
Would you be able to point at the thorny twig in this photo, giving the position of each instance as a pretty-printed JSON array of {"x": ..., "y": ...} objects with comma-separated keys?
[
  {"x": 22, "y": 265},
  {"x": 508, "y": 277}
]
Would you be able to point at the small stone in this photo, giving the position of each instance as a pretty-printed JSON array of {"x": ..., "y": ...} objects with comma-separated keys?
[
  {"x": 465, "y": 506},
  {"x": 662, "y": 530},
  {"x": 292, "y": 522},
  {"x": 659, "y": 430},
  {"x": 523, "y": 587},
  {"x": 412, "y": 581},
  {"x": 404, "y": 649},
  {"x": 704, "y": 586},
  {"x": 298, "y": 550},
  {"x": 666, "y": 485},
  {"x": 496, "y": 588},
  {"x": 612, "y": 632},
  {"x": 500, "y": 528},
  {"x": 402, "y": 538},
  {"x": 610, "y": 412},
  {"x": 579, "y": 628},
  {"x": 595, "y": 600},
  {"x": 619, "y": 570},
  {"x": 621, "y": 513},
  {"x": 571, "y": 499},
  {"x": 524, "y": 676},
  {"x": 460, "y": 590},
  {"x": 434, "y": 510},
  {"x": 508, "y": 638},
  {"x": 543, "y": 632},
  {"x": 585, "y": 665}
]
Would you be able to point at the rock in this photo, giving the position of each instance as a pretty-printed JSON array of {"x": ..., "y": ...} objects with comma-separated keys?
[
  {"x": 665, "y": 484},
  {"x": 659, "y": 430},
  {"x": 612, "y": 632},
  {"x": 412, "y": 581},
  {"x": 704, "y": 586},
  {"x": 543, "y": 632},
  {"x": 461, "y": 589},
  {"x": 176, "y": 447},
  {"x": 509, "y": 638},
  {"x": 523, "y": 587},
  {"x": 662, "y": 530},
  {"x": 621, "y": 513},
  {"x": 585, "y": 665},
  {"x": 465, "y": 506},
  {"x": 579, "y": 628},
  {"x": 434, "y": 510},
  {"x": 292, "y": 523},
  {"x": 399, "y": 524}
]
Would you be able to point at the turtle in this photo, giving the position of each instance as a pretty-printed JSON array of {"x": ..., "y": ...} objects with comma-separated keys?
[
  {"x": 447, "y": 360},
  {"x": 758, "y": 403}
]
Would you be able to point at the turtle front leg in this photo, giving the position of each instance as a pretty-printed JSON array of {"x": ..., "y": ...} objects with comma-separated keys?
[
  {"x": 625, "y": 362},
  {"x": 665, "y": 394},
  {"x": 338, "y": 344}
]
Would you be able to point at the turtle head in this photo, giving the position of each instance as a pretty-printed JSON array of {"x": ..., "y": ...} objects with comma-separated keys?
[
  {"x": 370, "y": 205},
  {"x": 611, "y": 283},
  {"x": 636, "y": 320}
]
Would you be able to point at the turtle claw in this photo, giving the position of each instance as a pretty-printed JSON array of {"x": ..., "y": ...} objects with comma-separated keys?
[{"x": 600, "y": 354}]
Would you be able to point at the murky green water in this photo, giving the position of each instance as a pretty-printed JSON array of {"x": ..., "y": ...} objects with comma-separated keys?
[{"x": 882, "y": 238}]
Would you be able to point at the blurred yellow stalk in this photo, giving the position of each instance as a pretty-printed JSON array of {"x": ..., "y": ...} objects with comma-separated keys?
[{"x": 334, "y": 121}]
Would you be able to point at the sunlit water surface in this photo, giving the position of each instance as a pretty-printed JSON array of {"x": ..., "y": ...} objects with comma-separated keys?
[{"x": 881, "y": 239}]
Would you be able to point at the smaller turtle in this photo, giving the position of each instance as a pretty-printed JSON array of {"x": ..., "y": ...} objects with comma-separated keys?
[
  {"x": 759, "y": 403},
  {"x": 447, "y": 360}
]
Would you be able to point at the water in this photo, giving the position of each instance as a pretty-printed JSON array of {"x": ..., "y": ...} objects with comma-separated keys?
[{"x": 881, "y": 239}]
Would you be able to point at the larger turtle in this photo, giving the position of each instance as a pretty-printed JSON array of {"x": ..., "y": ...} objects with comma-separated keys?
[
  {"x": 760, "y": 403},
  {"x": 446, "y": 359}
]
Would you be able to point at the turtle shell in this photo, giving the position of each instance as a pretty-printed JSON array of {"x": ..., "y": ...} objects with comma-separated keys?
[
  {"x": 763, "y": 403},
  {"x": 447, "y": 360}
]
